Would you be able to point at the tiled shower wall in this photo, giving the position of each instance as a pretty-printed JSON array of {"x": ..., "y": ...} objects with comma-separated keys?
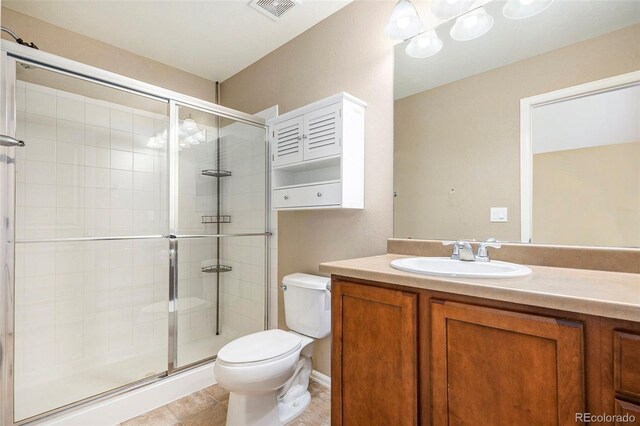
[{"x": 86, "y": 171}]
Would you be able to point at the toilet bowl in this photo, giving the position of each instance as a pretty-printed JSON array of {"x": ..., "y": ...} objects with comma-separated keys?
[{"x": 267, "y": 373}]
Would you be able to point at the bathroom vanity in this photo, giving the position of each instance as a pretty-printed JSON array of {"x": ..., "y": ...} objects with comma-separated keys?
[{"x": 418, "y": 349}]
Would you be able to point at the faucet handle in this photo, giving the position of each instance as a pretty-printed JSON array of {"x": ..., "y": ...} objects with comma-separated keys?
[
  {"x": 483, "y": 254},
  {"x": 455, "y": 254},
  {"x": 457, "y": 246}
]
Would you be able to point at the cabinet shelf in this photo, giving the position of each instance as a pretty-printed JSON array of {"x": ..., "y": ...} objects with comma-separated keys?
[
  {"x": 216, "y": 173},
  {"x": 300, "y": 185}
]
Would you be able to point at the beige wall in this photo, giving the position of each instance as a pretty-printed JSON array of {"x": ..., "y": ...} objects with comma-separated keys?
[
  {"x": 465, "y": 137},
  {"x": 345, "y": 52},
  {"x": 589, "y": 196},
  {"x": 57, "y": 40}
]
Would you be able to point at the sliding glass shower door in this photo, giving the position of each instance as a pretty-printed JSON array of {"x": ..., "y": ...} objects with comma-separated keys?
[
  {"x": 91, "y": 259},
  {"x": 220, "y": 225},
  {"x": 140, "y": 241}
]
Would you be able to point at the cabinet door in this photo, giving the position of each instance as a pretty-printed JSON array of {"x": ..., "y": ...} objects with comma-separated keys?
[
  {"x": 374, "y": 362},
  {"x": 498, "y": 367},
  {"x": 626, "y": 363},
  {"x": 286, "y": 141},
  {"x": 323, "y": 132},
  {"x": 629, "y": 413}
]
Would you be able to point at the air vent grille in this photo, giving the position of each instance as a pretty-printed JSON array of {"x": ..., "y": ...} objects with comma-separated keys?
[{"x": 274, "y": 9}]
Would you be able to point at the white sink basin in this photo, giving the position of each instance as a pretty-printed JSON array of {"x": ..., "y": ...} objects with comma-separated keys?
[{"x": 445, "y": 266}]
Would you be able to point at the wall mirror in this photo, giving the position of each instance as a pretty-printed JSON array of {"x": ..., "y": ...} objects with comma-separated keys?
[{"x": 520, "y": 126}]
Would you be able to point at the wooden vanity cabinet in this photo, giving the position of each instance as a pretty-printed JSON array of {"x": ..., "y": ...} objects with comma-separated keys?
[
  {"x": 403, "y": 356},
  {"x": 374, "y": 356},
  {"x": 492, "y": 366}
]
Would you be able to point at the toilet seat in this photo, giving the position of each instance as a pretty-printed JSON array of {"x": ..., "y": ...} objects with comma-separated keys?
[{"x": 262, "y": 347}]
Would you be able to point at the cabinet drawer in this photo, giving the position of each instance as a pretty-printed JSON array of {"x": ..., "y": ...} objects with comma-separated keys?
[
  {"x": 629, "y": 413},
  {"x": 626, "y": 359},
  {"x": 308, "y": 196}
]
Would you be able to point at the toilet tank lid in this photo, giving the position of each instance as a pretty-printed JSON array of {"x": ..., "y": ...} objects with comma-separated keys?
[{"x": 306, "y": 281}]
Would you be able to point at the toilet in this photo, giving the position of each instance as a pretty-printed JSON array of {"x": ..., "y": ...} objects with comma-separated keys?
[{"x": 267, "y": 373}]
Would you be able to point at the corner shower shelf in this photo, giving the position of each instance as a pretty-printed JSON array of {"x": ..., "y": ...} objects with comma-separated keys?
[
  {"x": 216, "y": 268},
  {"x": 216, "y": 173},
  {"x": 225, "y": 218}
]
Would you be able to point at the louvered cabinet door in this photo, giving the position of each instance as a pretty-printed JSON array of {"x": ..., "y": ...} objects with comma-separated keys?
[
  {"x": 322, "y": 132},
  {"x": 287, "y": 141}
]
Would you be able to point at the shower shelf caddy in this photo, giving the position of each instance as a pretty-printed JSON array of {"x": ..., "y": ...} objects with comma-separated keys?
[
  {"x": 216, "y": 173},
  {"x": 216, "y": 268},
  {"x": 225, "y": 218}
]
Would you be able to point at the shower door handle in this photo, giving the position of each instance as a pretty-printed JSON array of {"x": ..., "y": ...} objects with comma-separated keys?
[{"x": 9, "y": 141}]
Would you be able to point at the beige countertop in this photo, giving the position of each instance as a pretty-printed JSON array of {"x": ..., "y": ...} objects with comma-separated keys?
[{"x": 601, "y": 293}]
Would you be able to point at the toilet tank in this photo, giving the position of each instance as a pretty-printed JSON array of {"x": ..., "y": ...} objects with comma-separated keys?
[{"x": 307, "y": 304}]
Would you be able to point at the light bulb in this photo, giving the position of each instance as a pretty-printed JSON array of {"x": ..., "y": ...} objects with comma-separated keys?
[
  {"x": 424, "y": 45},
  {"x": 404, "y": 21},
  {"x": 189, "y": 124},
  {"x": 521, "y": 9},
  {"x": 470, "y": 21},
  {"x": 447, "y": 9},
  {"x": 472, "y": 25}
]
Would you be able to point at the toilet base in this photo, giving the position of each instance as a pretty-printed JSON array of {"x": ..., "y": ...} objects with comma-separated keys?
[
  {"x": 253, "y": 409},
  {"x": 288, "y": 411}
]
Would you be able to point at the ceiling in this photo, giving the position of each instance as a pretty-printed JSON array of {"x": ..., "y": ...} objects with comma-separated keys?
[
  {"x": 565, "y": 22},
  {"x": 213, "y": 39}
]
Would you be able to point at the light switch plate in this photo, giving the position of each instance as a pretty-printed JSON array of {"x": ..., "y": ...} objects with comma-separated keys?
[{"x": 498, "y": 214}]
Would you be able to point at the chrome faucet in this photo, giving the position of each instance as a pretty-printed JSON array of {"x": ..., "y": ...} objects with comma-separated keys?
[
  {"x": 483, "y": 254},
  {"x": 462, "y": 250}
]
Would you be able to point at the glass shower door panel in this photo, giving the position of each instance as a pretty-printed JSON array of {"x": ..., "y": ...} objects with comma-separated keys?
[
  {"x": 222, "y": 175},
  {"x": 221, "y": 191},
  {"x": 213, "y": 307},
  {"x": 92, "y": 269},
  {"x": 243, "y": 289}
]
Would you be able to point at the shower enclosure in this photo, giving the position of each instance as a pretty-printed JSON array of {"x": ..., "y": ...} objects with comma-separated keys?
[{"x": 134, "y": 236}]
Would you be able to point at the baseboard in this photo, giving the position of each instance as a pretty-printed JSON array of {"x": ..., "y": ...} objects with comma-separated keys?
[
  {"x": 321, "y": 379},
  {"x": 117, "y": 409}
]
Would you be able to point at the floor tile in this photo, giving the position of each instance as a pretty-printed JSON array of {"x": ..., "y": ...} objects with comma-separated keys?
[
  {"x": 212, "y": 416},
  {"x": 218, "y": 393},
  {"x": 208, "y": 407},
  {"x": 191, "y": 404},
  {"x": 159, "y": 417}
]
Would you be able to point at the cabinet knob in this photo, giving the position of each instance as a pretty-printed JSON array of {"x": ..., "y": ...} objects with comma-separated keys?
[
  {"x": 304, "y": 136},
  {"x": 286, "y": 197},
  {"x": 319, "y": 194}
]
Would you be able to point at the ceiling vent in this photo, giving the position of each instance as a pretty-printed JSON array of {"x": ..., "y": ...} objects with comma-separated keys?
[{"x": 274, "y": 9}]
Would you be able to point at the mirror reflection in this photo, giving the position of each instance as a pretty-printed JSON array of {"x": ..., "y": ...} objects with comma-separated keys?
[{"x": 471, "y": 162}]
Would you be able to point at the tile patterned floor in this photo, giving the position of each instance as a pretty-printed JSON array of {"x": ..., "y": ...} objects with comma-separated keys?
[{"x": 208, "y": 407}]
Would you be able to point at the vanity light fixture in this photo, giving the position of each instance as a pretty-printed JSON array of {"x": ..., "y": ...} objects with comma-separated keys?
[
  {"x": 472, "y": 25},
  {"x": 447, "y": 9},
  {"x": 425, "y": 45},
  {"x": 404, "y": 22},
  {"x": 521, "y": 9},
  {"x": 469, "y": 24}
]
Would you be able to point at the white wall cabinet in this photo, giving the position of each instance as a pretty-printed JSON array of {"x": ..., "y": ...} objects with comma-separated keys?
[{"x": 318, "y": 155}]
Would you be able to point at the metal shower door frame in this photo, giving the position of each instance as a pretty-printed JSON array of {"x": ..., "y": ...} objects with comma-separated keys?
[{"x": 13, "y": 53}]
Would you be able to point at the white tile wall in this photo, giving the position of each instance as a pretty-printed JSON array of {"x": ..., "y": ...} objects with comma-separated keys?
[{"x": 83, "y": 305}]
